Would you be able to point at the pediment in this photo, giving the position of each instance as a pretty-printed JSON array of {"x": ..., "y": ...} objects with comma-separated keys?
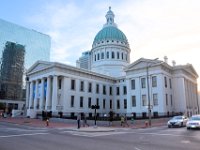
[
  {"x": 141, "y": 63},
  {"x": 39, "y": 65},
  {"x": 189, "y": 68}
]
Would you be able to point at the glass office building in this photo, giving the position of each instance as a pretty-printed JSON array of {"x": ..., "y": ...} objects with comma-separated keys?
[{"x": 20, "y": 48}]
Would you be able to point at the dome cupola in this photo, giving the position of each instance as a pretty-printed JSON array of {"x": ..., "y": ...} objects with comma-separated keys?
[
  {"x": 110, "y": 32},
  {"x": 110, "y": 49}
]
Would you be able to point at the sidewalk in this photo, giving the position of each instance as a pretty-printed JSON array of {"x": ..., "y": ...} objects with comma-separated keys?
[{"x": 72, "y": 125}]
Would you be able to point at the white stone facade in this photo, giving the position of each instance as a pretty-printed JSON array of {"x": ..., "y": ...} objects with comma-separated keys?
[{"x": 173, "y": 89}]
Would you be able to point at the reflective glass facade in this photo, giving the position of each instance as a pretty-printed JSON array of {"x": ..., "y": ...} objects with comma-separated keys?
[
  {"x": 37, "y": 45},
  {"x": 20, "y": 48}
]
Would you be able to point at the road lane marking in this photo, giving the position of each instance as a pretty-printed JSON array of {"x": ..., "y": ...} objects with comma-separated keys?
[
  {"x": 164, "y": 134},
  {"x": 137, "y": 148},
  {"x": 18, "y": 135},
  {"x": 92, "y": 134}
]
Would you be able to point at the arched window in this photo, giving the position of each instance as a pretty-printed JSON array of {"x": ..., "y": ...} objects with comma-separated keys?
[
  {"x": 107, "y": 55},
  {"x": 113, "y": 55},
  {"x": 98, "y": 56},
  {"x": 126, "y": 57},
  {"x": 117, "y": 55},
  {"x": 95, "y": 57},
  {"x": 122, "y": 56},
  {"x": 102, "y": 55}
]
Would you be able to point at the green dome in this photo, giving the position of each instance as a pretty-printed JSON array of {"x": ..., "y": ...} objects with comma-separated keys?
[{"x": 110, "y": 33}]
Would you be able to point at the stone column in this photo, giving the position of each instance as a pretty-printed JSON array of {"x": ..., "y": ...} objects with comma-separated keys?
[
  {"x": 31, "y": 95},
  {"x": 36, "y": 95},
  {"x": 65, "y": 91},
  {"x": 55, "y": 93},
  {"x": 27, "y": 94},
  {"x": 48, "y": 94},
  {"x": 42, "y": 95}
]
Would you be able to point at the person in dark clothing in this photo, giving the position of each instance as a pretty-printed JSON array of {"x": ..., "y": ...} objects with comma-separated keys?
[{"x": 79, "y": 121}]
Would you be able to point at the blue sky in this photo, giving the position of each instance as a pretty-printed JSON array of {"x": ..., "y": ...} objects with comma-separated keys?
[{"x": 154, "y": 28}]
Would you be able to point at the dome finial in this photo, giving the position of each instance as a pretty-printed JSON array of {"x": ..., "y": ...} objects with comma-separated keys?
[{"x": 109, "y": 7}]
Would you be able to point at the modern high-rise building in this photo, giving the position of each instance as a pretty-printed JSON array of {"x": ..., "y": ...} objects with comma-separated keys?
[
  {"x": 19, "y": 49},
  {"x": 84, "y": 61},
  {"x": 11, "y": 71},
  {"x": 37, "y": 45}
]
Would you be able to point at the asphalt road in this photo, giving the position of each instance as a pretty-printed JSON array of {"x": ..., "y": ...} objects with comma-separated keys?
[{"x": 17, "y": 137}]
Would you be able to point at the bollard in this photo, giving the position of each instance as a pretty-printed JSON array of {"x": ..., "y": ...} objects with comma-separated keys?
[
  {"x": 146, "y": 124},
  {"x": 47, "y": 122}
]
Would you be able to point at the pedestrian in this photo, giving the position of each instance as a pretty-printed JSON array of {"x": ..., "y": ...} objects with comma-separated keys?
[
  {"x": 85, "y": 121},
  {"x": 122, "y": 120},
  {"x": 78, "y": 120},
  {"x": 126, "y": 120}
]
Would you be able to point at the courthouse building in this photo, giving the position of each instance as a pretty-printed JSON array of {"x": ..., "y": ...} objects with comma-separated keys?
[{"x": 113, "y": 82}]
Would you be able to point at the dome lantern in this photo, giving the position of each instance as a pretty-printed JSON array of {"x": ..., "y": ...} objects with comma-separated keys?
[{"x": 110, "y": 18}]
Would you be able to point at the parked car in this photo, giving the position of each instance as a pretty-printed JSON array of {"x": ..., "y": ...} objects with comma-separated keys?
[
  {"x": 193, "y": 122},
  {"x": 178, "y": 121}
]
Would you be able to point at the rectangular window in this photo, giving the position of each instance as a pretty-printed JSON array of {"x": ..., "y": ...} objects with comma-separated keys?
[
  {"x": 166, "y": 82},
  {"x": 81, "y": 102},
  {"x": 118, "y": 104},
  {"x": 72, "y": 101},
  {"x": 110, "y": 104},
  {"x": 166, "y": 99},
  {"x": 104, "y": 104},
  {"x": 104, "y": 89},
  {"x": 59, "y": 83},
  {"x": 117, "y": 91},
  {"x": 170, "y": 83},
  {"x": 144, "y": 100},
  {"x": 125, "y": 104},
  {"x": 134, "y": 101},
  {"x": 89, "y": 102},
  {"x": 97, "y": 88},
  {"x": 82, "y": 86},
  {"x": 133, "y": 84},
  {"x": 143, "y": 82},
  {"x": 97, "y": 102},
  {"x": 154, "y": 81},
  {"x": 171, "y": 100},
  {"x": 110, "y": 90},
  {"x": 124, "y": 89},
  {"x": 155, "y": 99},
  {"x": 73, "y": 84},
  {"x": 122, "y": 56},
  {"x": 98, "y": 56},
  {"x": 90, "y": 87}
]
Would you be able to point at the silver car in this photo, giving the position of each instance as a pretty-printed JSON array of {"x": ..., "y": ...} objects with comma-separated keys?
[
  {"x": 178, "y": 121},
  {"x": 194, "y": 122}
]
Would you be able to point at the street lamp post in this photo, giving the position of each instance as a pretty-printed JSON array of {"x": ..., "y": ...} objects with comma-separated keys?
[
  {"x": 148, "y": 92},
  {"x": 149, "y": 106}
]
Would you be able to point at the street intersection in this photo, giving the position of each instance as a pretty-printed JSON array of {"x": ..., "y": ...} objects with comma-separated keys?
[{"x": 15, "y": 137}]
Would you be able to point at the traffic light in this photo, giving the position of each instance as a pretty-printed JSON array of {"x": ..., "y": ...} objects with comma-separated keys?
[{"x": 95, "y": 107}]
